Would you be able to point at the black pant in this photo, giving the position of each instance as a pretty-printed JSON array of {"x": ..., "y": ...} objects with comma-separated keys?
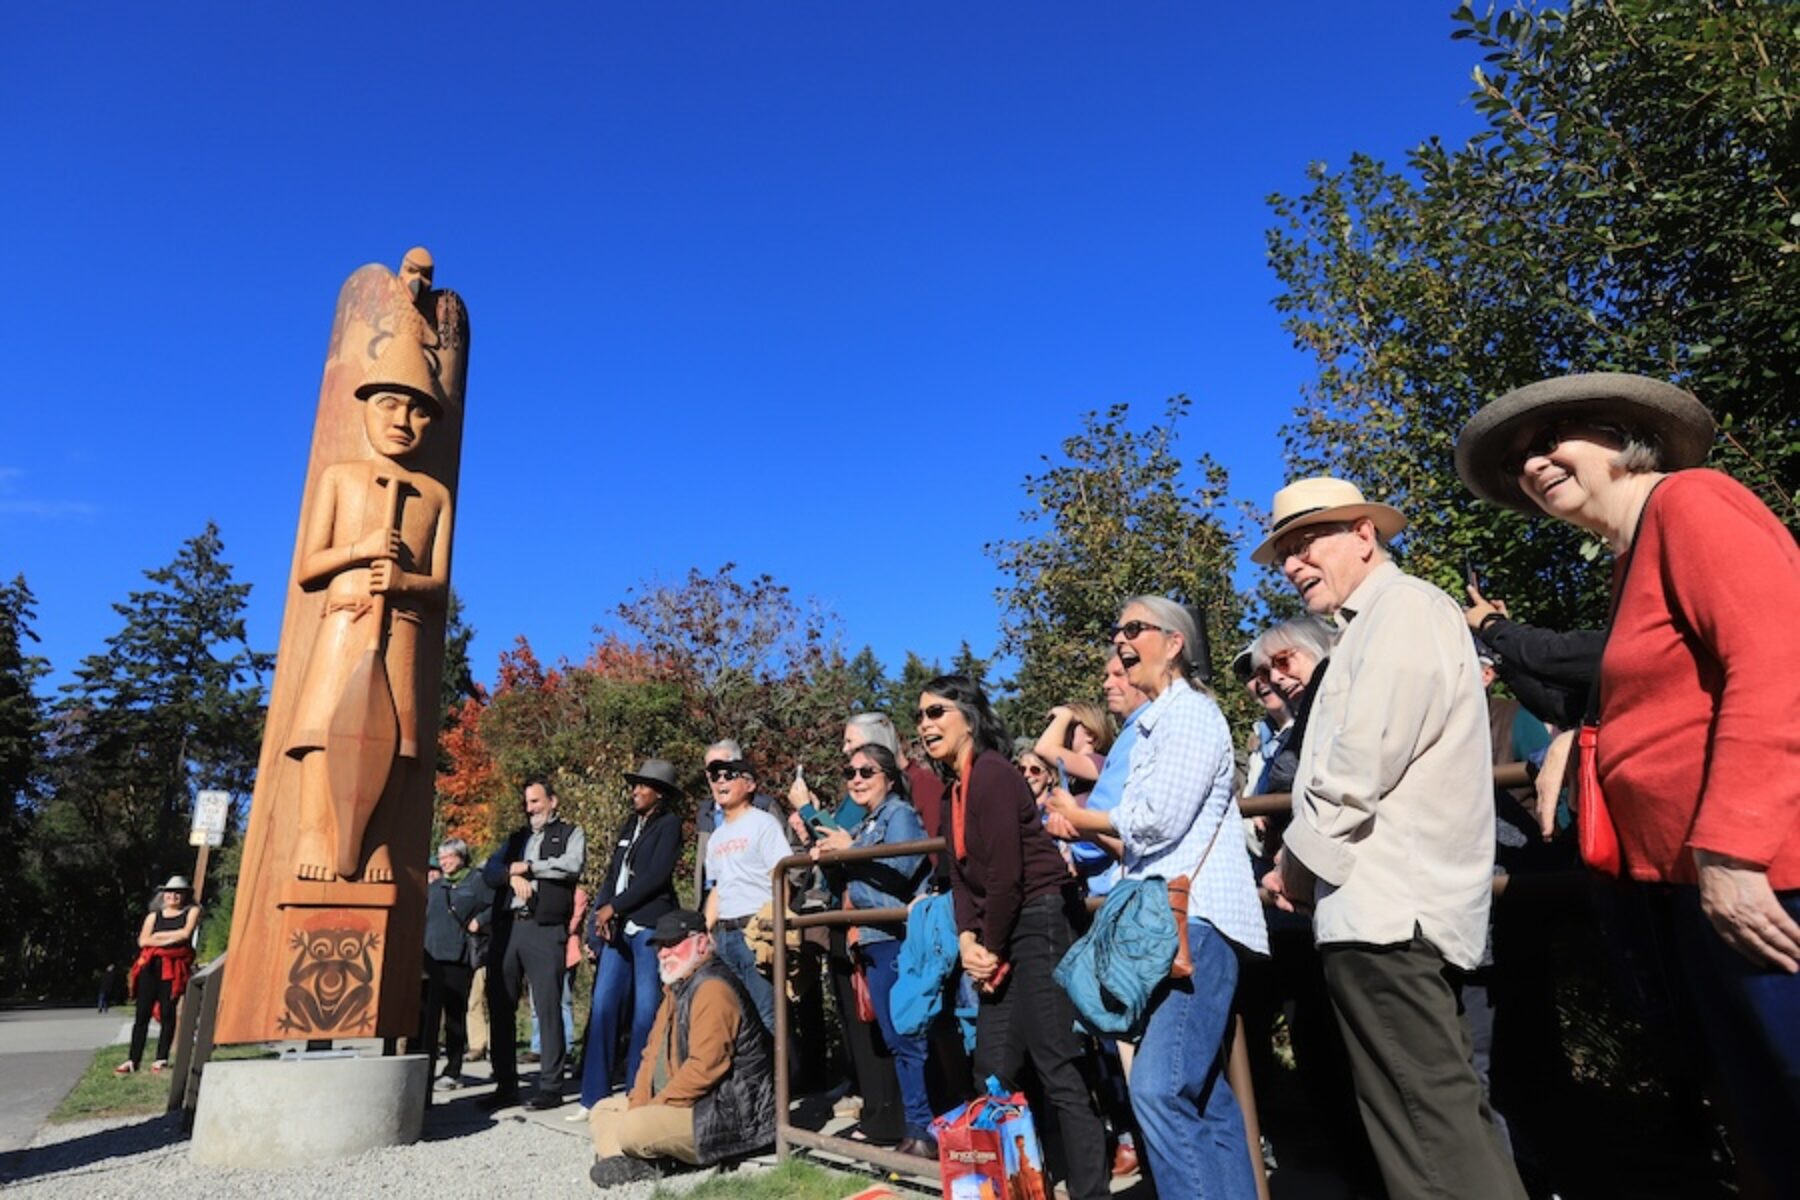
[
  {"x": 1032, "y": 1019},
  {"x": 447, "y": 999},
  {"x": 1409, "y": 1050},
  {"x": 153, "y": 989},
  {"x": 883, "y": 1117},
  {"x": 522, "y": 953}
]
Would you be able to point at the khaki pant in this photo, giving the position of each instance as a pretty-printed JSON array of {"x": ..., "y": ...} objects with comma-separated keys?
[
  {"x": 651, "y": 1131},
  {"x": 478, "y": 1022}
]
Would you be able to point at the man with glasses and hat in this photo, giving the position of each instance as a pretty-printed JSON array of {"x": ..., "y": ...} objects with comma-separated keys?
[
  {"x": 740, "y": 858},
  {"x": 1392, "y": 841},
  {"x": 705, "y": 1090}
]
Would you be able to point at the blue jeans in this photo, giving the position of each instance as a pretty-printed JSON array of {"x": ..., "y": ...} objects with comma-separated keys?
[
  {"x": 909, "y": 1052},
  {"x": 1191, "y": 1128},
  {"x": 568, "y": 1018},
  {"x": 1749, "y": 1016},
  {"x": 625, "y": 980},
  {"x": 732, "y": 950}
]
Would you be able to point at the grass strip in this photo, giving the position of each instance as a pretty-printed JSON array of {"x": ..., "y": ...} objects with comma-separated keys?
[
  {"x": 792, "y": 1180},
  {"x": 100, "y": 1093}
]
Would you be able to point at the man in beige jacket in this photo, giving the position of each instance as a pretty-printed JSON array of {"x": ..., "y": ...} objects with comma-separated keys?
[{"x": 1392, "y": 842}]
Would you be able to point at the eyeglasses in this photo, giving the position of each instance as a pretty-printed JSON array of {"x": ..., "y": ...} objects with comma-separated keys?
[
  {"x": 1546, "y": 440},
  {"x": 932, "y": 712},
  {"x": 861, "y": 773},
  {"x": 1281, "y": 660},
  {"x": 1033, "y": 770},
  {"x": 727, "y": 770},
  {"x": 1133, "y": 630},
  {"x": 1301, "y": 544}
]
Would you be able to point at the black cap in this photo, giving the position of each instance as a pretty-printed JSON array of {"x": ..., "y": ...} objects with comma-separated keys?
[{"x": 677, "y": 926}]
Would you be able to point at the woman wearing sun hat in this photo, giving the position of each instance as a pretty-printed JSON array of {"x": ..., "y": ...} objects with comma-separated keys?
[
  {"x": 159, "y": 976},
  {"x": 639, "y": 887},
  {"x": 1699, "y": 744}
]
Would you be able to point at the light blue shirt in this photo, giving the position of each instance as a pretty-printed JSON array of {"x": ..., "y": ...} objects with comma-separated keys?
[
  {"x": 1090, "y": 860},
  {"x": 1179, "y": 805}
]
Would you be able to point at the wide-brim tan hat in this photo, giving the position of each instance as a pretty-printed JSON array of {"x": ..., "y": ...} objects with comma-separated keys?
[
  {"x": 177, "y": 883},
  {"x": 1678, "y": 423},
  {"x": 1319, "y": 501}
]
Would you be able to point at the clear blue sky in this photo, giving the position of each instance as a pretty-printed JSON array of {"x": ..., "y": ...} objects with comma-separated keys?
[{"x": 807, "y": 286}]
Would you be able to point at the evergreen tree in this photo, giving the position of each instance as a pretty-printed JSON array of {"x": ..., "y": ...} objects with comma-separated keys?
[
  {"x": 174, "y": 704},
  {"x": 22, "y": 731}
]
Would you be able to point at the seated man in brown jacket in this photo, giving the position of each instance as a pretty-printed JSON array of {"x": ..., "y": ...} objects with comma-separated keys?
[{"x": 705, "y": 1089}]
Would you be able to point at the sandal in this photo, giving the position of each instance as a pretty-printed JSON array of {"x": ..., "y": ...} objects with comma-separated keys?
[
  {"x": 157, "y": 1067},
  {"x": 125, "y": 1068}
]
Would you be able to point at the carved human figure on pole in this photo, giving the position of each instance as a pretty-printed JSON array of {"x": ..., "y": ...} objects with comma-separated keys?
[{"x": 376, "y": 540}]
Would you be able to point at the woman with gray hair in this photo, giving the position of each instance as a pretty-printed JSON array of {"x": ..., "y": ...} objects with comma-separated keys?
[
  {"x": 1178, "y": 820},
  {"x": 457, "y": 905},
  {"x": 1291, "y": 657},
  {"x": 1694, "y": 744}
]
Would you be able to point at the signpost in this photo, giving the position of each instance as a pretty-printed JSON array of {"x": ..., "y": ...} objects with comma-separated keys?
[{"x": 207, "y": 831}]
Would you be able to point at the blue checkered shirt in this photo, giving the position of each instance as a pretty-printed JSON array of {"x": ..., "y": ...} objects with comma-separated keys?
[{"x": 1178, "y": 795}]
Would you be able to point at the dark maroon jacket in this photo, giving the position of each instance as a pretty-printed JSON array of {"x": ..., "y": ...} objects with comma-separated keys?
[{"x": 1010, "y": 860}]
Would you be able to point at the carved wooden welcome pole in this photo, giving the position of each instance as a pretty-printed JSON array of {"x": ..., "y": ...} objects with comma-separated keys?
[{"x": 328, "y": 926}]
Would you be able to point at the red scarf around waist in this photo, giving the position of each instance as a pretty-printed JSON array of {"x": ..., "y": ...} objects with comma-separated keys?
[{"x": 177, "y": 966}]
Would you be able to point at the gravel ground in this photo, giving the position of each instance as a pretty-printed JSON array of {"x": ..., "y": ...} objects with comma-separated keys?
[{"x": 463, "y": 1151}]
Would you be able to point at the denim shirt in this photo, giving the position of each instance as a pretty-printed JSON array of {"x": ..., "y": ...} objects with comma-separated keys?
[{"x": 886, "y": 882}]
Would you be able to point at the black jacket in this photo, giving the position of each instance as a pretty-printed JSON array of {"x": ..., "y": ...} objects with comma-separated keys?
[
  {"x": 653, "y": 855},
  {"x": 1549, "y": 672},
  {"x": 554, "y": 903},
  {"x": 1286, "y": 764},
  {"x": 448, "y": 909}
]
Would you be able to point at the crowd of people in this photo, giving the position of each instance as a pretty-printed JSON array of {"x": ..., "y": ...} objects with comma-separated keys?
[{"x": 1361, "y": 913}]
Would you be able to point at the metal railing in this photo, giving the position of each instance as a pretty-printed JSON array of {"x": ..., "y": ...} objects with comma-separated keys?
[
  {"x": 1237, "y": 1069},
  {"x": 786, "y": 1134}
]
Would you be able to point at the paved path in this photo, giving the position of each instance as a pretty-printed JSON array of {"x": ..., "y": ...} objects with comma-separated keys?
[{"x": 43, "y": 1051}]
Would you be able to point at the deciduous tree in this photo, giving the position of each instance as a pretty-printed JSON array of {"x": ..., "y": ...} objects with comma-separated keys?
[
  {"x": 1631, "y": 203},
  {"x": 1121, "y": 513}
]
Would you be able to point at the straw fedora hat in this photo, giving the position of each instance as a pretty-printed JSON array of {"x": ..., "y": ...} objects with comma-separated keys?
[
  {"x": 1656, "y": 411},
  {"x": 402, "y": 367},
  {"x": 1319, "y": 501},
  {"x": 177, "y": 883}
]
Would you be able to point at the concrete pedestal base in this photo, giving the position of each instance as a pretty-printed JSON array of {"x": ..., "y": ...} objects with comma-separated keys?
[{"x": 287, "y": 1113}]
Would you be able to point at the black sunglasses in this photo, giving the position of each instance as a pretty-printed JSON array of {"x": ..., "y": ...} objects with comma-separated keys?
[
  {"x": 727, "y": 770},
  {"x": 862, "y": 773},
  {"x": 1546, "y": 440},
  {"x": 932, "y": 712},
  {"x": 1133, "y": 630}
]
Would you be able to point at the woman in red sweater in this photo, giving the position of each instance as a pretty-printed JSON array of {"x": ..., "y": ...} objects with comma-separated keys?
[
  {"x": 1015, "y": 903},
  {"x": 1699, "y": 744}
]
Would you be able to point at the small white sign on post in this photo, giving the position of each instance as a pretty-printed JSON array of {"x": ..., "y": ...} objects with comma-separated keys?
[{"x": 209, "y": 818}]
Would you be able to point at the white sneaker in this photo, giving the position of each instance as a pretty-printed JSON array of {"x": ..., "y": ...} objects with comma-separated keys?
[{"x": 580, "y": 1114}]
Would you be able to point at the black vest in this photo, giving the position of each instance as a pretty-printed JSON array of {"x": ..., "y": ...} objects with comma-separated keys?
[
  {"x": 555, "y": 900},
  {"x": 738, "y": 1116}
]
